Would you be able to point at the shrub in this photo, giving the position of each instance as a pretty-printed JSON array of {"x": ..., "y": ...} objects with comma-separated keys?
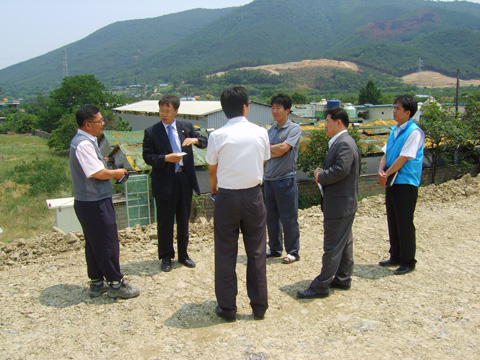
[
  {"x": 19, "y": 123},
  {"x": 43, "y": 176}
]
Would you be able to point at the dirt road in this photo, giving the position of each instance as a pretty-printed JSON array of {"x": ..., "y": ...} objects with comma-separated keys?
[{"x": 432, "y": 313}]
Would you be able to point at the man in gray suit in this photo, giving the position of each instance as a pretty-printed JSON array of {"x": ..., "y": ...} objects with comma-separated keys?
[{"x": 339, "y": 185}]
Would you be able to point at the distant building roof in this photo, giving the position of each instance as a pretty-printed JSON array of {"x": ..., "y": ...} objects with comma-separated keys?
[
  {"x": 194, "y": 108},
  {"x": 367, "y": 106}
]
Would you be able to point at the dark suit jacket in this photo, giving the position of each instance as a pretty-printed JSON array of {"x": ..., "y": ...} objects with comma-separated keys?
[
  {"x": 339, "y": 178},
  {"x": 156, "y": 145}
]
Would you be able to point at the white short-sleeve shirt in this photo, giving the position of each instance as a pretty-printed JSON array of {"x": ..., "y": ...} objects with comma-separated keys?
[
  {"x": 412, "y": 144},
  {"x": 87, "y": 155},
  {"x": 239, "y": 149}
]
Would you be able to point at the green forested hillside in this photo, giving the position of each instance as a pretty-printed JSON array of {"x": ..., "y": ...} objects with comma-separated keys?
[
  {"x": 383, "y": 35},
  {"x": 443, "y": 51}
]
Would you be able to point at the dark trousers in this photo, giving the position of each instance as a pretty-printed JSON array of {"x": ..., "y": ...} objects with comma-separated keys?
[
  {"x": 400, "y": 200},
  {"x": 243, "y": 210},
  {"x": 337, "y": 259},
  {"x": 102, "y": 249},
  {"x": 281, "y": 201},
  {"x": 177, "y": 206}
]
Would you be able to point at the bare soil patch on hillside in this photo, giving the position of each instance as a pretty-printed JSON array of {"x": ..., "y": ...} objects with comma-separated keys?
[
  {"x": 278, "y": 69},
  {"x": 434, "y": 79},
  {"x": 322, "y": 67},
  {"x": 433, "y": 312}
]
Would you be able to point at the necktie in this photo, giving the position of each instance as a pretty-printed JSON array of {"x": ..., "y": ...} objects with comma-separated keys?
[{"x": 173, "y": 144}]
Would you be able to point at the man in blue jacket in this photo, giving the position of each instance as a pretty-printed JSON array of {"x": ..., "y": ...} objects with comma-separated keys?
[{"x": 402, "y": 161}]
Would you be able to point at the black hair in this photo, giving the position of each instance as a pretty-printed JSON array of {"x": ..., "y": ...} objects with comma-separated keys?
[
  {"x": 170, "y": 99},
  {"x": 282, "y": 99},
  {"x": 337, "y": 113},
  {"x": 408, "y": 102},
  {"x": 86, "y": 112},
  {"x": 232, "y": 101}
]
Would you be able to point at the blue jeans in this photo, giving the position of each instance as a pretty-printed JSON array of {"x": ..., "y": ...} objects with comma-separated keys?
[{"x": 281, "y": 201}]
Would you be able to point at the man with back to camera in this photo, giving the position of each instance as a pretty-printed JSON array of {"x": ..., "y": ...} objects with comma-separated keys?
[
  {"x": 173, "y": 178},
  {"x": 339, "y": 181},
  {"x": 403, "y": 156},
  {"x": 281, "y": 191},
  {"x": 236, "y": 155},
  {"x": 94, "y": 207}
]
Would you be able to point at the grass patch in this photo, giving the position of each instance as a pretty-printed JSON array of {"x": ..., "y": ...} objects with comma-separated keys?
[{"x": 28, "y": 169}]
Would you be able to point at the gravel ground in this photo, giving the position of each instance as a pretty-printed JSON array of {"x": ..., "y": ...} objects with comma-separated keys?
[{"x": 432, "y": 313}]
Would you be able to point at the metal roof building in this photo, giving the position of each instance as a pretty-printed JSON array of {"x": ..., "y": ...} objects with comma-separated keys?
[
  {"x": 204, "y": 114},
  {"x": 125, "y": 149}
]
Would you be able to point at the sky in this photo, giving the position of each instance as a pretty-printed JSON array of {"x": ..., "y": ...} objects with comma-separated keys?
[{"x": 36, "y": 27}]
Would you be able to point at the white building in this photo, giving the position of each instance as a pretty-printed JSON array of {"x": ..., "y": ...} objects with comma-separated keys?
[
  {"x": 378, "y": 112},
  {"x": 205, "y": 114}
]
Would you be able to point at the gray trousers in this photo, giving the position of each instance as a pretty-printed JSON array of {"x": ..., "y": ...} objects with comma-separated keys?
[
  {"x": 337, "y": 259},
  {"x": 243, "y": 210}
]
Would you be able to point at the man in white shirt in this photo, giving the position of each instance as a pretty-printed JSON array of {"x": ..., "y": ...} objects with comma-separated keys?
[
  {"x": 236, "y": 154},
  {"x": 94, "y": 207}
]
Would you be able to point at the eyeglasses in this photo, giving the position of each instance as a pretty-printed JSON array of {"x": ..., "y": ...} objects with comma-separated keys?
[{"x": 166, "y": 112}]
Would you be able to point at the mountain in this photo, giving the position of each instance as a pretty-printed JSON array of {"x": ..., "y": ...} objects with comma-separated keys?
[
  {"x": 108, "y": 51},
  {"x": 385, "y": 35}
]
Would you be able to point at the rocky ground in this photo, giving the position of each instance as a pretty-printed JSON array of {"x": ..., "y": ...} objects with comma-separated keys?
[{"x": 432, "y": 313}]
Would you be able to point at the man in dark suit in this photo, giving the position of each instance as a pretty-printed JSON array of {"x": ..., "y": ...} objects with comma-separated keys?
[
  {"x": 167, "y": 147},
  {"x": 339, "y": 184}
]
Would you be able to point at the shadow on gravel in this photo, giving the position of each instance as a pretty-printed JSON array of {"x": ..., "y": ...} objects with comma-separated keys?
[
  {"x": 291, "y": 290},
  {"x": 63, "y": 296},
  {"x": 145, "y": 268},
  {"x": 371, "y": 271},
  {"x": 193, "y": 316}
]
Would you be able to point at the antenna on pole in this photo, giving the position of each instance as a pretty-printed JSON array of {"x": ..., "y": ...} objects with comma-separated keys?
[{"x": 65, "y": 65}]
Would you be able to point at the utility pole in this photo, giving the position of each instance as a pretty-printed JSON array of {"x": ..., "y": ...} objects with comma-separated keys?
[
  {"x": 419, "y": 71},
  {"x": 456, "y": 97},
  {"x": 65, "y": 65}
]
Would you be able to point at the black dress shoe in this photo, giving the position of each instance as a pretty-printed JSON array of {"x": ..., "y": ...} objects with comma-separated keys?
[
  {"x": 339, "y": 286},
  {"x": 310, "y": 294},
  {"x": 403, "y": 270},
  {"x": 258, "y": 315},
  {"x": 219, "y": 312},
  {"x": 166, "y": 264},
  {"x": 187, "y": 262},
  {"x": 389, "y": 262}
]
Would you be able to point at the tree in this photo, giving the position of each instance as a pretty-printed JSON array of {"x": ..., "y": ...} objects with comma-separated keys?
[
  {"x": 61, "y": 137},
  {"x": 444, "y": 135},
  {"x": 121, "y": 125},
  {"x": 77, "y": 91},
  {"x": 471, "y": 120},
  {"x": 20, "y": 123},
  {"x": 299, "y": 98},
  {"x": 369, "y": 94},
  {"x": 74, "y": 92},
  {"x": 313, "y": 154}
]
